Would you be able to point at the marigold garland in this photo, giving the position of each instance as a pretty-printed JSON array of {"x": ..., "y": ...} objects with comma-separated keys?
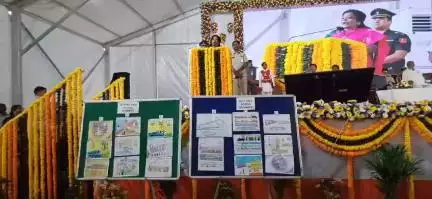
[
  {"x": 36, "y": 156},
  {"x": 407, "y": 136},
  {"x": 203, "y": 72},
  {"x": 9, "y": 159},
  {"x": 325, "y": 53},
  {"x": 53, "y": 127},
  {"x": 48, "y": 147},
  {"x": 15, "y": 160},
  {"x": 350, "y": 147},
  {"x": 30, "y": 151},
  {"x": 423, "y": 127},
  {"x": 69, "y": 129},
  {"x": 42, "y": 134},
  {"x": 350, "y": 174}
]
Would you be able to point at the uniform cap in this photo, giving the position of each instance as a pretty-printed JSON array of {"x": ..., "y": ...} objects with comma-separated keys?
[{"x": 382, "y": 13}]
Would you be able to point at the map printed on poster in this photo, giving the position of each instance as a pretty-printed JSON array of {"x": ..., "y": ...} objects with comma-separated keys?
[
  {"x": 127, "y": 146},
  {"x": 211, "y": 154},
  {"x": 126, "y": 166},
  {"x": 246, "y": 121},
  {"x": 96, "y": 168},
  {"x": 278, "y": 145},
  {"x": 128, "y": 126},
  {"x": 160, "y": 147},
  {"x": 282, "y": 164},
  {"x": 127, "y": 107},
  {"x": 277, "y": 123},
  {"x": 158, "y": 167},
  {"x": 99, "y": 142},
  {"x": 248, "y": 165},
  {"x": 245, "y": 103},
  {"x": 214, "y": 125},
  {"x": 247, "y": 144}
]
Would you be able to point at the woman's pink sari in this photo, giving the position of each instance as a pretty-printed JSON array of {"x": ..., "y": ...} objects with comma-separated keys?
[{"x": 369, "y": 37}]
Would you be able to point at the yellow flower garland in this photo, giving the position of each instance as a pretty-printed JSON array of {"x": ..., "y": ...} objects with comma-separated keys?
[
  {"x": 356, "y": 150},
  {"x": 326, "y": 52},
  {"x": 30, "y": 134},
  {"x": 210, "y": 71},
  {"x": 407, "y": 136},
  {"x": 42, "y": 147},
  {"x": 69, "y": 129},
  {"x": 36, "y": 156}
]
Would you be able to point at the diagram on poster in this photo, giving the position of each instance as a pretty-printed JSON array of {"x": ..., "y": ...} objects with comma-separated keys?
[
  {"x": 126, "y": 166},
  {"x": 159, "y": 147},
  {"x": 127, "y": 146},
  {"x": 158, "y": 167},
  {"x": 277, "y": 123},
  {"x": 282, "y": 164},
  {"x": 278, "y": 145},
  {"x": 248, "y": 165},
  {"x": 96, "y": 168},
  {"x": 128, "y": 126},
  {"x": 211, "y": 154},
  {"x": 162, "y": 127},
  {"x": 247, "y": 144},
  {"x": 214, "y": 125},
  {"x": 246, "y": 121},
  {"x": 99, "y": 142}
]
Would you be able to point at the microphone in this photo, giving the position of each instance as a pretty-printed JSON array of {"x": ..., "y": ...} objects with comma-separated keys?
[{"x": 339, "y": 28}]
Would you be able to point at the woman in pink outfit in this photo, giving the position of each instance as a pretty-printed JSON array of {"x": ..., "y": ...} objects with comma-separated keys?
[{"x": 355, "y": 29}]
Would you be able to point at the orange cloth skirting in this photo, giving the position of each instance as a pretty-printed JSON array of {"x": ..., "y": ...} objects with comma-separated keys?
[{"x": 258, "y": 189}]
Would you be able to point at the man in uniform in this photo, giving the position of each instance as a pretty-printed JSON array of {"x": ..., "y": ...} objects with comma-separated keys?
[{"x": 399, "y": 43}]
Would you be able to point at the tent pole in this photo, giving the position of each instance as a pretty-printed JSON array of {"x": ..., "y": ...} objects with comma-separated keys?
[
  {"x": 107, "y": 66},
  {"x": 16, "y": 59},
  {"x": 156, "y": 90}
]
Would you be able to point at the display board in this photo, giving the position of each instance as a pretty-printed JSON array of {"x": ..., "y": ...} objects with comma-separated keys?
[
  {"x": 244, "y": 137},
  {"x": 131, "y": 139}
]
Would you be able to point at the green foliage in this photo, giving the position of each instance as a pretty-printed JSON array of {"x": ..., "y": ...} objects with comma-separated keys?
[{"x": 391, "y": 166}]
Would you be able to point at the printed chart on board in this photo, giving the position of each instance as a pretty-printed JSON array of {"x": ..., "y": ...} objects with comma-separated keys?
[
  {"x": 130, "y": 140},
  {"x": 244, "y": 137}
]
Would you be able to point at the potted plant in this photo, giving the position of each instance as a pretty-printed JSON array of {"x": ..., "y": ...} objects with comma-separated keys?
[{"x": 391, "y": 166}]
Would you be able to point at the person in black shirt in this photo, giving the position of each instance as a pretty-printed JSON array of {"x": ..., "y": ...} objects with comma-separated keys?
[
  {"x": 399, "y": 43},
  {"x": 15, "y": 110}
]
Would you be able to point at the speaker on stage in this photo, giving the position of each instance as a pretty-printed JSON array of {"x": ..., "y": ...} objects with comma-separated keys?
[{"x": 126, "y": 82}]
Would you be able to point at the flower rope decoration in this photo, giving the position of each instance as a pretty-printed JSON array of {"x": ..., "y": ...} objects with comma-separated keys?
[
  {"x": 237, "y": 7},
  {"x": 359, "y": 111},
  {"x": 347, "y": 145},
  {"x": 211, "y": 71},
  {"x": 323, "y": 52}
]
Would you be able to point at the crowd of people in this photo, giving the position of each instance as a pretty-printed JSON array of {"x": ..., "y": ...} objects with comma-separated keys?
[{"x": 16, "y": 109}]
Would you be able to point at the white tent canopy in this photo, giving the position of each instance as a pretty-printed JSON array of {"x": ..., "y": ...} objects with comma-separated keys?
[{"x": 43, "y": 40}]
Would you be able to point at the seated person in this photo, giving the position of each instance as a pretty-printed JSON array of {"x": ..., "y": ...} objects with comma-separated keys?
[{"x": 411, "y": 75}]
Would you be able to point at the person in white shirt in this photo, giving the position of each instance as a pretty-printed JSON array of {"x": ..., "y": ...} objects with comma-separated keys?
[
  {"x": 411, "y": 75},
  {"x": 266, "y": 80},
  {"x": 240, "y": 63}
]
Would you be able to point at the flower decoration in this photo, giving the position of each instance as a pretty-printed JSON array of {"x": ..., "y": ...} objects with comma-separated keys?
[
  {"x": 109, "y": 190},
  {"x": 237, "y": 7},
  {"x": 214, "y": 27},
  {"x": 357, "y": 111},
  {"x": 405, "y": 84},
  {"x": 295, "y": 57},
  {"x": 230, "y": 27},
  {"x": 223, "y": 37},
  {"x": 329, "y": 188}
]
